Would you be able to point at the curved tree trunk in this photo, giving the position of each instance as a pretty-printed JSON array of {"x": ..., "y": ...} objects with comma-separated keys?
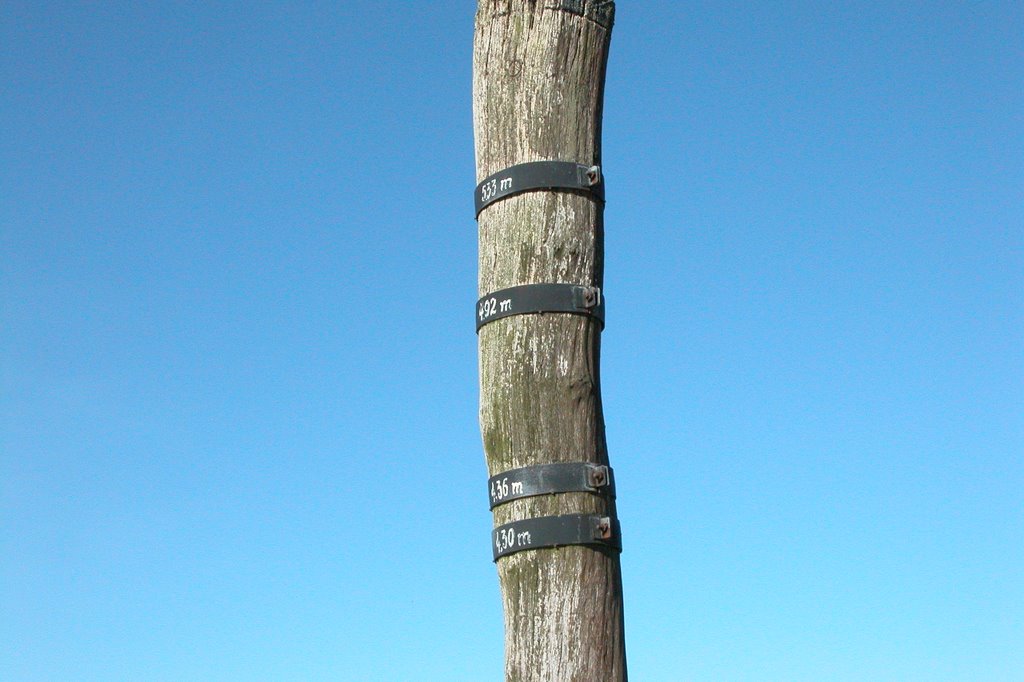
[{"x": 538, "y": 78}]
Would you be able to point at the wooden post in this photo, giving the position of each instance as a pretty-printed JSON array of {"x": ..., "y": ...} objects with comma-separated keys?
[{"x": 538, "y": 80}]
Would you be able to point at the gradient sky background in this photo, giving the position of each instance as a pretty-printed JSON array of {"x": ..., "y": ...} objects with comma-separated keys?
[{"x": 238, "y": 430}]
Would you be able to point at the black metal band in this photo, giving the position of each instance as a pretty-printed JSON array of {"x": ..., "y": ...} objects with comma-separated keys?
[
  {"x": 538, "y": 175},
  {"x": 556, "y": 531},
  {"x": 545, "y": 479},
  {"x": 540, "y": 298}
]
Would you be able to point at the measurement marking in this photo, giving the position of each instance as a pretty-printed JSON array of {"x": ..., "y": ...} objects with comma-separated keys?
[
  {"x": 502, "y": 489},
  {"x": 508, "y": 538},
  {"x": 492, "y": 306},
  {"x": 488, "y": 307},
  {"x": 489, "y": 189}
]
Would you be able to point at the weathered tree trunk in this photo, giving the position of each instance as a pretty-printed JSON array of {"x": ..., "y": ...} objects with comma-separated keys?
[{"x": 538, "y": 79}]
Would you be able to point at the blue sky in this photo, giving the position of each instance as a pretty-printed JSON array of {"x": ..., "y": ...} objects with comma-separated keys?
[{"x": 238, "y": 435}]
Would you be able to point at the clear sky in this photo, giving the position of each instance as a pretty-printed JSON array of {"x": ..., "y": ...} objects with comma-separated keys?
[{"x": 238, "y": 434}]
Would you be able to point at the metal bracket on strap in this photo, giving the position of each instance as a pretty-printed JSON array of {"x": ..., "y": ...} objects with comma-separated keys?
[
  {"x": 556, "y": 531},
  {"x": 538, "y": 175},
  {"x": 545, "y": 479},
  {"x": 540, "y": 298}
]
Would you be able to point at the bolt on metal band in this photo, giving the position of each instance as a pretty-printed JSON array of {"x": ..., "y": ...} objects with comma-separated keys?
[
  {"x": 547, "y": 479},
  {"x": 539, "y": 175},
  {"x": 540, "y": 298},
  {"x": 556, "y": 531}
]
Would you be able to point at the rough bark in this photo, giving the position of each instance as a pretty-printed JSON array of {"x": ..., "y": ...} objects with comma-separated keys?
[{"x": 538, "y": 81}]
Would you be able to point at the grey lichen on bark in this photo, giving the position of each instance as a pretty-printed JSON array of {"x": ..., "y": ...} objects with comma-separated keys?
[{"x": 537, "y": 95}]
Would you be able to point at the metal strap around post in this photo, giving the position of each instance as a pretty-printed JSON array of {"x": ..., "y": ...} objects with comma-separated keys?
[
  {"x": 540, "y": 298},
  {"x": 539, "y": 175},
  {"x": 556, "y": 531},
  {"x": 547, "y": 479}
]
